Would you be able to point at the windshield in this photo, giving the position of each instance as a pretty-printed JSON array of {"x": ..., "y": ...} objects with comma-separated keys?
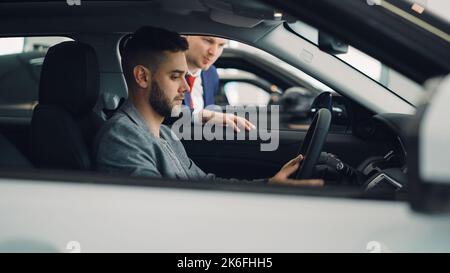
[
  {"x": 386, "y": 76},
  {"x": 430, "y": 15},
  {"x": 402, "y": 86}
]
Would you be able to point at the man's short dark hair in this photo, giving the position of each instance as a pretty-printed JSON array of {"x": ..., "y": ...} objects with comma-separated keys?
[{"x": 146, "y": 47}]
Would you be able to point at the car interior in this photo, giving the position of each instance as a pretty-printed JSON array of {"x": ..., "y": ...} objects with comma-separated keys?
[{"x": 80, "y": 84}]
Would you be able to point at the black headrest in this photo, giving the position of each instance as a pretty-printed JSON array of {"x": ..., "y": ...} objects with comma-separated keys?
[{"x": 70, "y": 77}]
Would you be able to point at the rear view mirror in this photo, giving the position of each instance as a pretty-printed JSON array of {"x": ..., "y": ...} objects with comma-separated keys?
[
  {"x": 331, "y": 44},
  {"x": 323, "y": 40}
]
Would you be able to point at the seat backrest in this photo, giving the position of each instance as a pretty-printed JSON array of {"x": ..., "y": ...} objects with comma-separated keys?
[{"x": 64, "y": 124}]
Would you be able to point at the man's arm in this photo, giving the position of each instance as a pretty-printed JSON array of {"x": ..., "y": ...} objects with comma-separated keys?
[
  {"x": 280, "y": 178},
  {"x": 121, "y": 150},
  {"x": 210, "y": 177}
]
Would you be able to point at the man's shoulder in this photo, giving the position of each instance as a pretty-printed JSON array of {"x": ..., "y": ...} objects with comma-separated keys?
[
  {"x": 210, "y": 72},
  {"x": 119, "y": 121},
  {"x": 120, "y": 127}
]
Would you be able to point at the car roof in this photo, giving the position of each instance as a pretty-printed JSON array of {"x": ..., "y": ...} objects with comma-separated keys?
[
  {"x": 185, "y": 16},
  {"x": 249, "y": 21}
]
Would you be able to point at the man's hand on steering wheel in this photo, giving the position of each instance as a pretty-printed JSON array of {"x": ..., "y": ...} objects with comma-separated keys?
[
  {"x": 311, "y": 148},
  {"x": 281, "y": 178}
]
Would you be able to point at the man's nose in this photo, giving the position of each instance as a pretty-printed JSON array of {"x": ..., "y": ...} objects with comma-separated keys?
[
  {"x": 184, "y": 85},
  {"x": 213, "y": 50}
]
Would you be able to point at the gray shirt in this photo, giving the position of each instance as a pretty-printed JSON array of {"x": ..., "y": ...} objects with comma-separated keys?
[{"x": 125, "y": 145}]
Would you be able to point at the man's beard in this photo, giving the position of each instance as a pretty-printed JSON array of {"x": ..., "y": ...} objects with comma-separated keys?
[{"x": 159, "y": 101}]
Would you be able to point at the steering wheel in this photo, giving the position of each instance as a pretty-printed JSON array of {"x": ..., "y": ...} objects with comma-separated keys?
[{"x": 313, "y": 143}]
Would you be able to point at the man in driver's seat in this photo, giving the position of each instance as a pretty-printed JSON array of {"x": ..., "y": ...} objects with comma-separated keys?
[{"x": 134, "y": 141}]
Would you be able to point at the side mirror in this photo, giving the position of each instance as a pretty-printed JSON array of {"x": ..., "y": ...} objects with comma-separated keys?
[
  {"x": 296, "y": 102},
  {"x": 427, "y": 152},
  {"x": 331, "y": 44}
]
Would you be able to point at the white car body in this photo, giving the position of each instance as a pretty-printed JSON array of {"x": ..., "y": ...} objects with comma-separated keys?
[{"x": 40, "y": 216}]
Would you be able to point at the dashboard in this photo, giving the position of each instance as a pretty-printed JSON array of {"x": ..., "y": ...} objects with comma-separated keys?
[{"x": 389, "y": 171}]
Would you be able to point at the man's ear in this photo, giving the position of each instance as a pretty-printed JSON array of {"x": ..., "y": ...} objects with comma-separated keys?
[
  {"x": 187, "y": 37},
  {"x": 142, "y": 76}
]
